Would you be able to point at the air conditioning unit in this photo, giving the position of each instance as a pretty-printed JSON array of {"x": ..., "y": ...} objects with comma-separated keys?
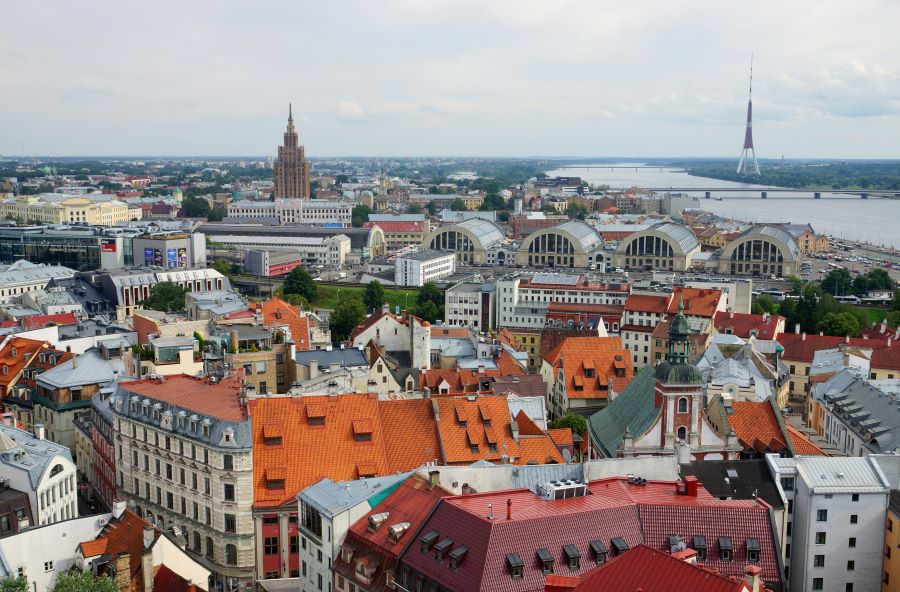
[{"x": 564, "y": 489}]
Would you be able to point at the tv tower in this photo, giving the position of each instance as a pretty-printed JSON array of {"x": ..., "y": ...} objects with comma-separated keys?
[{"x": 748, "y": 164}]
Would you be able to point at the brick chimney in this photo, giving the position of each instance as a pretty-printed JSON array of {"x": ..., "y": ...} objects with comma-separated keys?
[
  {"x": 122, "y": 567},
  {"x": 753, "y": 578},
  {"x": 690, "y": 486}
]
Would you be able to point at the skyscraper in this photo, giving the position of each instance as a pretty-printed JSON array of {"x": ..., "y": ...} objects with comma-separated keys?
[{"x": 291, "y": 169}]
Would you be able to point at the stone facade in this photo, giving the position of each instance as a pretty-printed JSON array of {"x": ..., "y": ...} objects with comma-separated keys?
[{"x": 291, "y": 167}]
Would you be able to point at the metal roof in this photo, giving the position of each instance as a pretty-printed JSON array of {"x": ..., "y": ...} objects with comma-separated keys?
[
  {"x": 679, "y": 234},
  {"x": 488, "y": 233},
  {"x": 38, "y": 454},
  {"x": 333, "y": 497},
  {"x": 88, "y": 368},
  {"x": 855, "y": 474},
  {"x": 325, "y": 358},
  {"x": 586, "y": 235},
  {"x": 772, "y": 232}
]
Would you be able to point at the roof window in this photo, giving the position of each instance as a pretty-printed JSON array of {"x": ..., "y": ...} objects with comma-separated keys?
[
  {"x": 619, "y": 545},
  {"x": 725, "y": 549},
  {"x": 441, "y": 548},
  {"x": 545, "y": 560},
  {"x": 700, "y": 547},
  {"x": 457, "y": 555},
  {"x": 599, "y": 551},
  {"x": 515, "y": 565},
  {"x": 573, "y": 556},
  {"x": 753, "y": 550},
  {"x": 428, "y": 540}
]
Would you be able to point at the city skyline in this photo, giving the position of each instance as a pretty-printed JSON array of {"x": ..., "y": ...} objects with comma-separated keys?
[{"x": 400, "y": 78}]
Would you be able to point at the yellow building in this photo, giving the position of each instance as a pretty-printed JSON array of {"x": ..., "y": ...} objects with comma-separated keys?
[
  {"x": 473, "y": 201},
  {"x": 891, "y": 576},
  {"x": 530, "y": 341},
  {"x": 55, "y": 208}
]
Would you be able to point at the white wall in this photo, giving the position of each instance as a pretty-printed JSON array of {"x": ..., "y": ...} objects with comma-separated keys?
[{"x": 165, "y": 551}]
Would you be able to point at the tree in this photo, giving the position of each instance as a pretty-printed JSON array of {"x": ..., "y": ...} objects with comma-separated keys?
[
  {"x": 222, "y": 266},
  {"x": 428, "y": 311},
  {"x": 374, "y": 295},
  {"x": 194, "y": 207},
  {"x": 430, "y": 293},
  {"x": 360, "y": 215},
  {"x": 458, "y": 205},
  {"x": 414, "y": 209},
  {"x": 296, "y": 300},
  {"x": 166, "y": 297},
  {"x": 577, "y": 211},
  {"x": 764, "y": 304},
  {"x": 576, "y": 423},
  {"x": 348, "y": 313},
  {"x": 83, "y": 581},
  {"x": 11, "y": 584},
  {"x": 298, "y": 281},
  {"x": 201, "y": 343},
  {"x": 492, "y": 202},
  {"x": 216, "y": 214},
  {"x": 432, "y": 208},
  {"x": 840, "y": 324},
  {"x": 837, "y": 282}
]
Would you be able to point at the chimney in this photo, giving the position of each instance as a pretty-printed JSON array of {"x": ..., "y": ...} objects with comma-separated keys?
[
  {"x": 147, "y": 568},
  {"x": 74, "y": 361},
  {"x": 403, "y": 314},
  {"x": 797, "y": 328},
  {"x": 122, "y": 567},
  {"x": 753, "y": 578},
  {"x": 385, "y": 307},
  {"x": 731, "y": 315},
  {"x": 803, "y": 337},
  {"x": 690, "y": 486},
  {"x": 481, "y": 368},
  {"x": 292, "y": 350},
  {"x": 509, "y": 508},
  {"x": 426, "y": 392},
  {"x": 234, "y": 341},
  {"x": 39, "y": 431},
  {"x": 434, "y": 478},
  {"x": 149, "y": 536},
  {"x": 118, "y": 508},
  {"x": 313, "y": 368}
]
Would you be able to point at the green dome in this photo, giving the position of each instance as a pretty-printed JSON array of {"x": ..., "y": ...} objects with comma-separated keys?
[{"x": 668, "y": 373}]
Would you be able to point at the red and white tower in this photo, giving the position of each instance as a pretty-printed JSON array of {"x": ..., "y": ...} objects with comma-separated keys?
[{"x": 748, "y": 164}]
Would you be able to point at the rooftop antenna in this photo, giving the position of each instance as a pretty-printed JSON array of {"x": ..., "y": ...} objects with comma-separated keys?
[{"x": 748, "y": 164}]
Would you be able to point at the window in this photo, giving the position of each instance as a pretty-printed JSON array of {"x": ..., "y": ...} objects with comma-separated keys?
[
  {"x": 682, "y": 433},
  {"x": 228, "y": 462},
  {"x": 854, "y": 519},
  {"x": 851, "y": 565},
  {"x": 848, "y": 587},
  {"x": 725, "y": 549},
  {"x": 818, "y": 583},
  {"x": 822, "y": 516},
  {"x": 229, "y": 492},
  {"x": 230, "y": 554},
  {"x": 209, "y": 547},
  {"x": 230, "y": 523},
  {"x": 270, "y": 545},
  {"x": 545, "y": 559},
  {"x": 852, "y": 542},
  {"x": 48, "y": 566},
  {"x": 820, "y": 538},
  {"x": 682, "y": 405},
  {"x": 819, "y": 561},
  {"x": 294, "y": 544},
  {"x": 854, "y": 497},
  {"x": 787, "y": 483}
]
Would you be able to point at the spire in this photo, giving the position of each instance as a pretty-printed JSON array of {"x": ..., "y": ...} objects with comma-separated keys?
[
  {"x": 290, "y": 113},
  {"x": 748, "y": 163},
  {"x": 680, "y": 303}
]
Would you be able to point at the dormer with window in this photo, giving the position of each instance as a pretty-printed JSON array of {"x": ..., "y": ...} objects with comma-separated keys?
[
  {"x": 485, "y": 415},
  {"x": 315, "y": 415},
  {"x": 589, "y": 368},
  {"x": 272, "y": 435},
  {"x": 347, "y": 553},
  {"x": 275, "y": 478},
  {"x": 545, "y": 561},
  {"x": 599, "y": 551},
  {"x": 573, "y": 557},
  {"x": 726, "y": 551},
  {"x": 457, "y": 555},
  {"x": 441, "y": 548},
  {"x": 460, "y": 416},
  {"x": 699, "y": 544},
  {"x": 619, "y": 545},
  {"x": 515, "y": 566},
  {"x": 752, "y": 551},
  {"x": 362, "y": 430},
  {"x": 428, "y": 540}
]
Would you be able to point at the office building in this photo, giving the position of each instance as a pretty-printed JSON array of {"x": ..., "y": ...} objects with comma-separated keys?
[
  {"x": 291, "y": 169},
  {"x": 417, "y": 269}
]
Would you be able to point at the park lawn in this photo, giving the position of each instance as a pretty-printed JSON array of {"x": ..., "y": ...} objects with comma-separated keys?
[
  {"x": 876, "y": 314},
  {"x": 327, "y": 296}
]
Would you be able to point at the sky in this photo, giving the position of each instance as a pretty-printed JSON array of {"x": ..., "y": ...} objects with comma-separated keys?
[{"x": 441, "y": 77}]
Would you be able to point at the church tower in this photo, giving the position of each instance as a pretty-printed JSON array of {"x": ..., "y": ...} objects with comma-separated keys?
[{"x": 291, "y": 169}]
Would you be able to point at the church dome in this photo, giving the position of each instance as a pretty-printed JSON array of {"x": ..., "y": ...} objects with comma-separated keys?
[{"x": 668, "y": 373}]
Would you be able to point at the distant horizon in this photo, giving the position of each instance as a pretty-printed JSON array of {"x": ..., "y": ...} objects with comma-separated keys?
[{"x": 585, "y": 159}]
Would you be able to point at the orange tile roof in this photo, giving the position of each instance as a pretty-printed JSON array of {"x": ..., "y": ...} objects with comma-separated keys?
[
  {"x": 607, "y": 355},
  {"x": 123, "y": 535},
  {"x": 698, "y": 302},
  {"x": 527, "y": 427},
  {"x": 508, "y": 365},
  {"x": 487, "y": 426},
  {"x": 410, "y": 434},
  {"x": 561, "y": 436},
  {"x": 11, "y": 365},
  {"x": 648, "y": 302},
  {"x": 93, "y": 548},
  {"x": 221, "y": 400},
  {"x": 278, "y": 312},
  {"x": 802, "y": 444},
  {"x": 309, "y": 453}
]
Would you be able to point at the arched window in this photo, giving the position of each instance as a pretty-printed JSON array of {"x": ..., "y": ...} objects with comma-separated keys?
[
  {"x": 682, "y": 433},
  {"x": 209, "y": 547},
  {"x": 230, "y": 554},
  {"x": 197, "y": 547},
  {"x": 682, "y": 405},
  {"x": 139, "y": 511}
]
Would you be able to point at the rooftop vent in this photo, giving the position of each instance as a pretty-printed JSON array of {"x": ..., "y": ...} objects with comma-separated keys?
[
  {"x": 396, "y": 531},
  {"x": 376, "y": 520},
  {"x": 556, "y": 490}
]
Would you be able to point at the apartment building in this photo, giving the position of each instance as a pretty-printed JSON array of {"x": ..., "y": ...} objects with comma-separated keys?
[
  {"x": 185, "y": 458},
  {"x": 294, "y": 211},
  {"x": 59, "y": 208},
  {"x": 417, "y": 269}
]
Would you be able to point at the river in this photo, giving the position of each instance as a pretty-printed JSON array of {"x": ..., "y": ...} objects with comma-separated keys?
[{"x": 872, "y": 220}]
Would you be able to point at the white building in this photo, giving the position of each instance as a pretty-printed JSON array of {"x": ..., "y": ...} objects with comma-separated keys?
[
  {"x": 23, "y": 276},
  {"x": 327, "y": 509},
  {"x": 836, "y": 517},
  {"x": 471, "y": 304},
  {"x": 294, "y": 211},
  {"x": 416, "y": 269},
  {"x": 41, "y": 553},
  {"x": 127, "y": 290},
  {"x": 185, "y": 459},
  {"x": 41, "y": 468},
  {"x": 523, "y": 301}
]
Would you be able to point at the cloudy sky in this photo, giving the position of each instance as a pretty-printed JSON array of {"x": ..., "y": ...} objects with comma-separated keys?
[{"x": 442, "y": 77}]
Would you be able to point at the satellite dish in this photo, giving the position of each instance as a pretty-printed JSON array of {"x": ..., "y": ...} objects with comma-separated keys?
[{"x": 567, "y": 456}]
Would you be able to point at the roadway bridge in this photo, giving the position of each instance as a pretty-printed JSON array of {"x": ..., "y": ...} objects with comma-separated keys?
[{"x": 763, "y": 192}]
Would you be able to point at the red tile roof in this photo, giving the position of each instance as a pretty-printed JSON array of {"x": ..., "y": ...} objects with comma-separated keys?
[
  {"x": 639, "y": 514},
  {"x": 698, "y": 302},
  {"x": 278, "y": 312},
  {"x": 741, "y": 324},
  {"x": 657, "y": 303},
  {"x": 757, "y": 426},
  {"x": 604, "y": 357},
  {"x": 122, "y": 535},
  {"x": 41, "y": 321},
  {"x": 800, "y": 347},
  {"x": 14, "y": 357},
  {"x": 221, "y": 400},
  {"x": 646, "y": 568},
  {"x": 410, "y": 433},
  {"x": 802, "y": 444},
  {"x": 561, "y": 436},
  {"x": 169, "y": 581}
]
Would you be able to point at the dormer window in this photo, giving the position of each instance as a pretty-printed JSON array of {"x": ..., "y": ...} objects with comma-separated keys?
[
  {"x": 700, "y": 547},
  {"x": 599, "y": 551},
  {"x": 619, "y": 545},
  {"x": 441, "y": 548},
  {"x": 362, "y": 430},
  {"x": 206, "y": 430},
  {"x": 347, "y": 553},
  {"x": 272, "y": 435},
  {"x": 515, "y": 565},
  {"x": 545, "y": 561},
  {"x": 725, "y": 549},
  {"x": 573, "y": 556},
  {"x": 752, "y": 550},
  {"x": 14, "y": 351},
  {"x": 457, "y": 555},
  {"x": 275, "y": 479},
  {"x": 315, "y": 415},
  {"x": 428, "y": 540}
]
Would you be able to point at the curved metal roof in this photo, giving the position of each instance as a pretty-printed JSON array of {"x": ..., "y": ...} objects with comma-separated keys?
[
  {"x": 773, "y": 232},
  {"x": 679, "y": 234},
  {"x": 488, "y": 233},
  {"x": 587, "y": 236}
]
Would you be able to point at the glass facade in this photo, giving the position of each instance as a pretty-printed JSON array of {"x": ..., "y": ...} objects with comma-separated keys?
[{"x": 81, "y": 253}]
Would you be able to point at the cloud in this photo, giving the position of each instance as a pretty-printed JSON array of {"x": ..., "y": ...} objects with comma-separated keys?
[{"x": 85, "y": 94}]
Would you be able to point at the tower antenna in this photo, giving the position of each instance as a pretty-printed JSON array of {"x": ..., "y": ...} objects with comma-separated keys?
[{"x": 748, "y": 165}]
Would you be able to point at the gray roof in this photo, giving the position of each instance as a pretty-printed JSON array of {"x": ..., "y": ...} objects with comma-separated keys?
[
  {"x": 836, "y": 474},
  {"x": 88, "y": 368},
  {"x": 684, "y": 238},
  {"x": 396, "y": 217},
  {"x": 586, "y": 235},
  {"x": 488, "y": 233},
  {"x": 448, "y": 215},
  {"x": 342, "y": 357},
  {"x": 219, "y": 302},
  {"x": 333, "y": 497},
  {"x": 869, "y": 410},
  {"x": 17, "y": 273},
  {"x": 38, "y": 454},
  {"x": 635, "y": 410},
  {"x": 753, "y": 479},
  {"x": 359, "y": 237},
  {"x": 425, "y": 255},
  {"x": 773, "y": 232}
]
